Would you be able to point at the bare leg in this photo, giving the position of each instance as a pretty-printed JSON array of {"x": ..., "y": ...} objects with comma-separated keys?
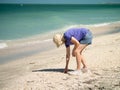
[
  {"x": 78, "y": 60},
  {"x": 79, "y": 57},
  {"x": 83, "y": 61}
]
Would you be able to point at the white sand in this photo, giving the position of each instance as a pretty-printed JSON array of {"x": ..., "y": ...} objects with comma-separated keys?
[{"x": 44, "y": 71}]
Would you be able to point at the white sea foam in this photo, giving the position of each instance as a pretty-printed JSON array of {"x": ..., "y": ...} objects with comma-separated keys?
[
  {"x": 95, "y": 25},
  {"x": 29, "y": 42},
  {"x": 37, "y": 42},
  {"x": 3, "y": 45},
  {"x": 86, "y": 25}
]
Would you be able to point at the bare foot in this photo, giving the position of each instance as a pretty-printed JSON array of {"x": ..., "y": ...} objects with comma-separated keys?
[{"x": 84, "y": 70}]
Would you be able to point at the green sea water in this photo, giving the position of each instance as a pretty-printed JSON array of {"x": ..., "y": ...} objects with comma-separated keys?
[{"x": 26, "y": 20}]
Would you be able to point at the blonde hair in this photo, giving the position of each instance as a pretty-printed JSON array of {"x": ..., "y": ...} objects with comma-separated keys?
[{"x": 58, "y": 39}]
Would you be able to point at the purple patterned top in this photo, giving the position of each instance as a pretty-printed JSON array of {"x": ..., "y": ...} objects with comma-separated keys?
[{"x": 77, "y": 33}]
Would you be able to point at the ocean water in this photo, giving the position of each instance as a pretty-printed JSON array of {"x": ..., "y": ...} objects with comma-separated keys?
[{"x": 20, "y": 20}]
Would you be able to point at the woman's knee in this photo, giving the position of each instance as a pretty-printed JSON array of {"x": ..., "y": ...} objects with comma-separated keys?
[{"x": 77, "y": 52}]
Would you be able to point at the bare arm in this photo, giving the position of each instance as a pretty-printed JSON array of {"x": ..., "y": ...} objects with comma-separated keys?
[{"x": 67, "y": 59}]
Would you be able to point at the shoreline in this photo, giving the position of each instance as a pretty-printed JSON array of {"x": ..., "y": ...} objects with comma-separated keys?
[
  {"x": 47, "y": 35},
  {"x": 14, "y": 53},
  {"x": 19, "y": 49}
]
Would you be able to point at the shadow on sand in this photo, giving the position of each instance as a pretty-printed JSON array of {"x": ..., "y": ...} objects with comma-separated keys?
[{"x": 51, "y": 70}]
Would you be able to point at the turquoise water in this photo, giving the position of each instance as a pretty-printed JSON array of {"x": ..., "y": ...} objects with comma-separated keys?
[{"x": 21, "y": 21}]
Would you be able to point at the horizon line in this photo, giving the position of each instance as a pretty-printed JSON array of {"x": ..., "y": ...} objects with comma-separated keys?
[{"x": 63, "y": 3}]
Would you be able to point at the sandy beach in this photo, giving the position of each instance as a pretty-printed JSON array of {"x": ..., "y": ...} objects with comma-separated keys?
[{"x": 44, "y": 70}]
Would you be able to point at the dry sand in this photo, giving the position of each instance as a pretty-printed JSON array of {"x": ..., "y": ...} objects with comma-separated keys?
[{"x": 44, "y": 71}]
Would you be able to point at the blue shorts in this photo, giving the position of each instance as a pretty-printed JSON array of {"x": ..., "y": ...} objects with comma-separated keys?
[{"x": 87, "y": 39}]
